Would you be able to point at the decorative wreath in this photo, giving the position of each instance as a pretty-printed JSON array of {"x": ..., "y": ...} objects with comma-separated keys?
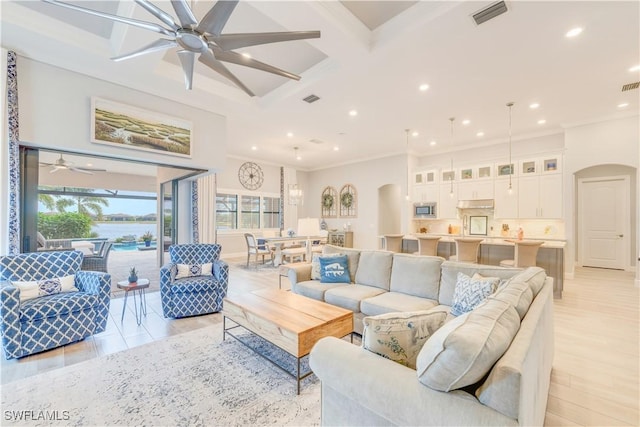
[
  {"x": 347, "y": 200},
  {"x": 327, "y": 201}
]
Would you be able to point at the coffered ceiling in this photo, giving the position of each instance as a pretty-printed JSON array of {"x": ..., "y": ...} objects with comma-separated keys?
[{"x": 372, "y": 57}]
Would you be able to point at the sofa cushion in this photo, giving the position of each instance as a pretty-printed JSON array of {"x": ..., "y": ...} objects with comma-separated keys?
[
  {"x": 315, "y": 264},
  {"x": 450, "y": 271},
  {"x": 471, "y": 291},
  {"x": 534, "y": 276},
  {"x": 350, "y": 296},
  {"x": 416, "y": 275},
  {"x": 353, "y": 256},
  {"x": 195, "y": 284},
  {"x": 400, "y": 336},
  {"x": 57, "y": 305},
  {"x": 518, "y": 294},
  {"x": 462, "y": 351},
  {"x": 314, "y": 289},
  {"x": 394, "y": 301},
  {"x": 374, "y": 269},
  {"x": 334, "y": 269},
  {"x": 45, "y": 287}
]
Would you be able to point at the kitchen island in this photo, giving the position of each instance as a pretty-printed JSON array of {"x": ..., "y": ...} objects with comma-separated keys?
[{"x": 495, "y": 249}]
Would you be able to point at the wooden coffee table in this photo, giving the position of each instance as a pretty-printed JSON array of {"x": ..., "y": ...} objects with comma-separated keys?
[{"x": 290, "y": 321}]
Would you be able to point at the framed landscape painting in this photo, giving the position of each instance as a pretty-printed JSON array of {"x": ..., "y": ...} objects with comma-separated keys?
[{"x": 122, "y": 125}]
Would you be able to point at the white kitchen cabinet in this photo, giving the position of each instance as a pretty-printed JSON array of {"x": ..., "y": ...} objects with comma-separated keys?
[
  {"x": 475, "y": 189},
  {"x": 425, "y": 193},
  {"x": 506, "y": 203},
  {"x": 540, "y": 196},
  {"x": 447, "y": 201}
]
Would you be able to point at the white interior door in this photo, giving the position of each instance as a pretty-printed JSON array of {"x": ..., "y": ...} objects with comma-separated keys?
[{"x": 603, "y": 215}]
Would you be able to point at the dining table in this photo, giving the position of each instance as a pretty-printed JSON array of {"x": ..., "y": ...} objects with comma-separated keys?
[{"x": 279, "y": 243}]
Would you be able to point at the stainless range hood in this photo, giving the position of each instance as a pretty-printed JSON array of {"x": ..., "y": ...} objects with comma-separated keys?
[{"x": 475, "y": 204}]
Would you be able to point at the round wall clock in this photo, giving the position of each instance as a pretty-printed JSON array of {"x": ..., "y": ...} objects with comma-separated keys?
[{"x": 250, "y": 176}]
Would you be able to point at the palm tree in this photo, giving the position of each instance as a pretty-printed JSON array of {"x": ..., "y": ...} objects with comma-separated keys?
[{"x": 86, "y": 205}]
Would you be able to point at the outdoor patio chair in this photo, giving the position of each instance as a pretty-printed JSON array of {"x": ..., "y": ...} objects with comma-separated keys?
[
  {"x": 98, "y": 262},
  {"x": 46, "y": 301},
  {"x": 52, "y": 244},
  {"x": 194, "y": 281}
]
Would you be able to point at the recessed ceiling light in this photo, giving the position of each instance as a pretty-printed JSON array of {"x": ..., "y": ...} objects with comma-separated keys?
[
  {"x": 432, "y": 143},
  {"x": 415, "y": 133},
  {"x": 89, "y": 164},
  {"x": 254, "y": 148},
  {"x": 246, "y": 55},
  {"x": 423, "y": 87},
  {"x": 480, "y": 134},
  {"x": 298, "y": 157},
  {"x": 290, "y": 134},
  {"x": 336, "y": 148},
  {"x": 573, "y": 32},
  {"x": 623, "y": 105},
  {"x": 353, "y": 113},
  {"x": 466, "y": 122},
  {"x": 534, "y": 105},
  {"x": 634, "y": 68},
  {"x": 542, "y": 121}
]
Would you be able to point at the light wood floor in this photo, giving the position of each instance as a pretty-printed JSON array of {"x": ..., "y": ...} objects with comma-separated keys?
[{"x": 595, "y": 380}]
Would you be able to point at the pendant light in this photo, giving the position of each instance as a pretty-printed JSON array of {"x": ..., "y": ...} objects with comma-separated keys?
[
  {"x": 510, "y": 190},
  {"x": 451, "y": 176},
  {"x": 407, "y": 134}
]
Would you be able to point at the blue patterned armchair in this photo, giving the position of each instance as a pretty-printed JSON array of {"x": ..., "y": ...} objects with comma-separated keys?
[
  {"x": 45, "y": 322},
  {"x": 194, "y": 281}
]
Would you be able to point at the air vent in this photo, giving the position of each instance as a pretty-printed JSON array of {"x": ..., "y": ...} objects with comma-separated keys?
[
  {"x": 630, "y": 86},
  {"x": 311, "y": 98},
  {"x": 490, "y": 12},
  {"x": 316, "y": 141}
]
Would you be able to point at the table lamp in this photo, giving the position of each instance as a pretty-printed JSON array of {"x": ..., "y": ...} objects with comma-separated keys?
[{"x": 308, "y": 227}]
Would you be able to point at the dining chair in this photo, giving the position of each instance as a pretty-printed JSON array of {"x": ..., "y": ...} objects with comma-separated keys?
[
  {"x": 525, "y": 254},
  {"x": 254, "y": 248}
]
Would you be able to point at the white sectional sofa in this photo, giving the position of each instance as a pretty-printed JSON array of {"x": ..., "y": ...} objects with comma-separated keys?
[{"x": 449, "y": 386}]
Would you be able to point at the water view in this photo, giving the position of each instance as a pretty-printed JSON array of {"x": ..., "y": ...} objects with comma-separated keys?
[{"x": 113, "y": 230}]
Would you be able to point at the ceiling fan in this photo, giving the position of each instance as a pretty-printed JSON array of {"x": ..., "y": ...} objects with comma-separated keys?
[
  {"x": 204, "y": 38},
  {"x": 62, "y": 164}
]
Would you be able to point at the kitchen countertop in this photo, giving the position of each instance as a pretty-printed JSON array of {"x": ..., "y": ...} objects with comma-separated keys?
[{"x": 490, "y": 240}]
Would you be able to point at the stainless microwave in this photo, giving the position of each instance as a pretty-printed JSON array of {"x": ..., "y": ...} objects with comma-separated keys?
[{"x": 425, "y": 210}]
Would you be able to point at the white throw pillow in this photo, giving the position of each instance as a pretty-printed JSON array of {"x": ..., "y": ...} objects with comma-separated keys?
[
  {"x": 470, "y": 292},
  {"x": 400, "y": 336},
  {"x": 464, "y": 349},
  {"x": 193, "y": 270},
  {"x": 40, "y": 288},
  {"x": 315, "y": 264}
]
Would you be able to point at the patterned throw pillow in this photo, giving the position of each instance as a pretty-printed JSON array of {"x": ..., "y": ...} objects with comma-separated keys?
[
  {"x": 315, "y": 264},
  {"x": 400, "y": 336},
  {"x": 45, "y": 287},
  {"x": 470, "y": 292},
  {"x": 194, "y": 270},
  {"x": 334, "y": 270}
]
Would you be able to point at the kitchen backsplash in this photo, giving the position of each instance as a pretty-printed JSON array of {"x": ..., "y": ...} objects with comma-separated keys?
[{"x": 533, "y": 228}]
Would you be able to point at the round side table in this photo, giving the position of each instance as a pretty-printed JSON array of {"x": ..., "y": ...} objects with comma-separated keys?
[{"x": 139, "y": 286}]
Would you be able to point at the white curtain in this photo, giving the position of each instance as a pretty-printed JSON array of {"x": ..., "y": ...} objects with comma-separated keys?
[{"x": 207, "y": 189}]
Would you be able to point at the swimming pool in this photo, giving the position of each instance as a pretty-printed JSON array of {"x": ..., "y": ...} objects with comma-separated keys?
[{"x": 132, "y": 246}]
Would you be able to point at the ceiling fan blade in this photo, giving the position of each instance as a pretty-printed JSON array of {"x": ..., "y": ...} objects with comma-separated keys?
[
  {"x": 217, "y": 17},
  {"x": 185, "y": 16},
  {"x": 236, "y": 58},
  {"x": 209, "y": 60},
  {"x": 42, "y": 164},
  {"x": 81, "y": 171},
  {"x": 136, "y": 23},
  {"x": 187, "y": 59},
  {"x": 235, "y": 41},
  {"x": 55, "y": 169},
  {"x": 158, "y": 13},
  {"x": 90, "y": 169},
  {"x": 160, "y": 44}
]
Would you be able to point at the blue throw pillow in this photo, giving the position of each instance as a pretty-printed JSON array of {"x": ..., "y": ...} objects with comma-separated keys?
[{"x": 334, "y": 270}]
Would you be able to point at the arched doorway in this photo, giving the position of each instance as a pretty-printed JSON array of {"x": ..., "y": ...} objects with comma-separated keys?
[{"x": 389, "y": 209}]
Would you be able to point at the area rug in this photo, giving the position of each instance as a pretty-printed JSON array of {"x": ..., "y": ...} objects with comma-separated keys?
[{"x": 190, "y": 379}]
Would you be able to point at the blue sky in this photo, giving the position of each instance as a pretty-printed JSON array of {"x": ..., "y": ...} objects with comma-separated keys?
[{"x": 128, "y": 206}]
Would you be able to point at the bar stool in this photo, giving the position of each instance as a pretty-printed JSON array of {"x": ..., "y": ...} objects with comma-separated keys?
[
  {"x": 466, "y": 249},
  {"x": 393, "y": 242},
  {"x": 525, "y": 254},
  {"x": 428, "y": 245}
]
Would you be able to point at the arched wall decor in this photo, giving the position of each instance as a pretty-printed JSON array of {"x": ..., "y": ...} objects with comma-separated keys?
[
  {"x": 329, "y": 202},
  {"x": 348, "y": 201},
  {"x": 14, "y": 155}
]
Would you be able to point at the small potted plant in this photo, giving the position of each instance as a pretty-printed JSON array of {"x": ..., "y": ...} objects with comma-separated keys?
[
  {"x": 146, "y": 237},
  {"x": 133, "y": 275}
]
